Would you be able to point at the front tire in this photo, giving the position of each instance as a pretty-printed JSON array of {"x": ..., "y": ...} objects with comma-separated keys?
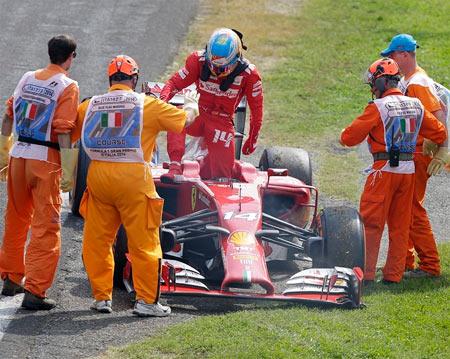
[{"x": 343, "y": 236}]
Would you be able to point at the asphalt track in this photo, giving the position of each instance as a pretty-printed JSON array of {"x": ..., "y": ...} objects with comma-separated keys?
[{"x": 149, "y": 31}]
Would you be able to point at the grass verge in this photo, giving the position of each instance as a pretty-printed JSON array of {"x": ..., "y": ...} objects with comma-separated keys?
[
  {"x": 408, "y": 320},
  {"x": 312, "y": 55}
]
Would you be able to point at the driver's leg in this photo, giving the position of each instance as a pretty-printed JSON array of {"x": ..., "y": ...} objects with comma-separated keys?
[{"x": 219, "y": 137}]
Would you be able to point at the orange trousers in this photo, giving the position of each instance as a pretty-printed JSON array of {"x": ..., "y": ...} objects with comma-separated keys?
[
  {"x": 387, "y": 198},
  {"x": 122, "y": 193},
  {"x": 421, "y": 238},
  {"x": 33, "y": 200}
]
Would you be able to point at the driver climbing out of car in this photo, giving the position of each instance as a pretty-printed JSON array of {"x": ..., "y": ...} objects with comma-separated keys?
[
  {"x": 222, "y": 76},
  {"x": 118, "y": 133},
  {"x": 392, "y": 123}
]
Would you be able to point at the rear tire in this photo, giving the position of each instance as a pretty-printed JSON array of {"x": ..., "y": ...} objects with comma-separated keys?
[
  {"x": 295, "y": 160},
  {"x": 120, "y": 259},
  {"x": 344, "y": 242},
  {"x": 80, "y": 181}
]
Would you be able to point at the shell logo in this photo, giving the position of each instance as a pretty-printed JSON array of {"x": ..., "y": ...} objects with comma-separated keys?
[{"x": 242, "y": 238}]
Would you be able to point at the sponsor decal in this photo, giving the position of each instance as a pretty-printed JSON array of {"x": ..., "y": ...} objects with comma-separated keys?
[
  {"x": 183, "y": 73},
  {"x": 214, "y": 88},
  {"x": 241, "y": 238}
]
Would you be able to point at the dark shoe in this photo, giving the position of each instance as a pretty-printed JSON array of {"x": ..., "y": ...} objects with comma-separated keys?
[
  {"x": 33, "y": 302},
  {"x": 10, "y": 288},
  {"x": 418, "y": 273}
]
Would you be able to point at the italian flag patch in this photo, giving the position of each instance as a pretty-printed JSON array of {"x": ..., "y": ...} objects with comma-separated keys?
[
  {"x": 408, "y": 125},
  {"x": 111, "y": 119},
  {"x": 29, "y": 110}
]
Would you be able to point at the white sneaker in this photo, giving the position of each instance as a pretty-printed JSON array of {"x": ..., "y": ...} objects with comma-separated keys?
[
  {"x": 143, "y": 309},
  {"x": 102, "y": 306}
]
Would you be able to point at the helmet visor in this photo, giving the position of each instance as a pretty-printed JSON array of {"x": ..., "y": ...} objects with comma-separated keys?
[{"x": 219, "y": 66}]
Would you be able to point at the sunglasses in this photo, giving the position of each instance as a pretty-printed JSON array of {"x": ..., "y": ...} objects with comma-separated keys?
[{"x": 74, "y": 54}]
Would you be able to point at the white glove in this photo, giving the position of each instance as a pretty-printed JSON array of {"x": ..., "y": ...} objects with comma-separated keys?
[
  {"x": 440, "y": 160},
  {"x": 191, "y": 102},
  {"x": 429, "y": 148}
]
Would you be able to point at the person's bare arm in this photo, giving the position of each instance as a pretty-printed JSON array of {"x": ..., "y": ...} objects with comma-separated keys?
[{"x": 7, "y": 124}]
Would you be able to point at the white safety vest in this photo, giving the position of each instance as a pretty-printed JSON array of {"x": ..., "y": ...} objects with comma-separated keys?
[
  {"x": 444, "y": 97},
  {"x": 34, "y": 106},
  {"x": 402, "y": 118},
  {"x": 112, "y": 127}
]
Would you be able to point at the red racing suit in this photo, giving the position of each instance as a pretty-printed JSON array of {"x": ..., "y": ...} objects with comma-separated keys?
[{"x": 217, "y": 107}]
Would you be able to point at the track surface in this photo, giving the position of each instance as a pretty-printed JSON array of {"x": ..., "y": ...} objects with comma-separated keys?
[{"x": 150, "y": 32}]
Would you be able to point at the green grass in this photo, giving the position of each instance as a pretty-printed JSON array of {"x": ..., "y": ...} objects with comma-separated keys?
[
  {"x": 318, "y": 89},
  {"x": 408, "y": 320}
]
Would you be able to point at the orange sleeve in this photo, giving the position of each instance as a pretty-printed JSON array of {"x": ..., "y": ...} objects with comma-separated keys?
[
  {"x": 358, "y": 130},
  {"x": 66, "y": 110},
  {"x": 9, "y": 107},
  {"x": 423, "y": 93},
  {"x": 169, "y": 117},
  {"x": 432, "y": 128},
  {"x": 81, "y": 113}
]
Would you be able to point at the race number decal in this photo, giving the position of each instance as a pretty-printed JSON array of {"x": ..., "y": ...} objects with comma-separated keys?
[
  {"x": 249, "y": 216},
  {"x": 222, "y": 136}
]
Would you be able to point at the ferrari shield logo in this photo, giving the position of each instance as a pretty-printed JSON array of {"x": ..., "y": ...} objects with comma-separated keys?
[{"x": 194, "y": 197}]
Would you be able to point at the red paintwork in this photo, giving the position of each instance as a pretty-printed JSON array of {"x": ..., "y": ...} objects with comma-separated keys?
[{"x": 239, "y": 207}]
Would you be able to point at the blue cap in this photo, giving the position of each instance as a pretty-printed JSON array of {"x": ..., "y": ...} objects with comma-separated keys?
[{"x": 401, "y": 42}]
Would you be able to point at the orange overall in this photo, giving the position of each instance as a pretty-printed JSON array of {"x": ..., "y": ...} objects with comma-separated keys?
[
  {"x": 421, "y": 238},
  {"x": 119, "y": 192},
  {"x": 388, "y": 192},
  {"x": 34, "y": 200}
]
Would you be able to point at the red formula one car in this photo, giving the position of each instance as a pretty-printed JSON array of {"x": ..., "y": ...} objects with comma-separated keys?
[{"x": 218, "y": 235}]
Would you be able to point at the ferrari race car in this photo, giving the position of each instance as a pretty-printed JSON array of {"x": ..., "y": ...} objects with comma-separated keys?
[{"x": 218, "y": 235}]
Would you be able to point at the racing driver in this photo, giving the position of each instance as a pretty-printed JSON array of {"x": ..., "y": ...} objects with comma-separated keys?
[
  {"x": 222, "y": 76},
  {"x": 119, "y": 130}
]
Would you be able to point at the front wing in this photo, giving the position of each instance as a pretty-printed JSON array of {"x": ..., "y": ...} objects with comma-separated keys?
[{"x": 339, "y": 287}]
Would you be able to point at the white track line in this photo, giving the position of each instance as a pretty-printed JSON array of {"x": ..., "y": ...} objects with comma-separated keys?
[{"x": 8, "y": 307}]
